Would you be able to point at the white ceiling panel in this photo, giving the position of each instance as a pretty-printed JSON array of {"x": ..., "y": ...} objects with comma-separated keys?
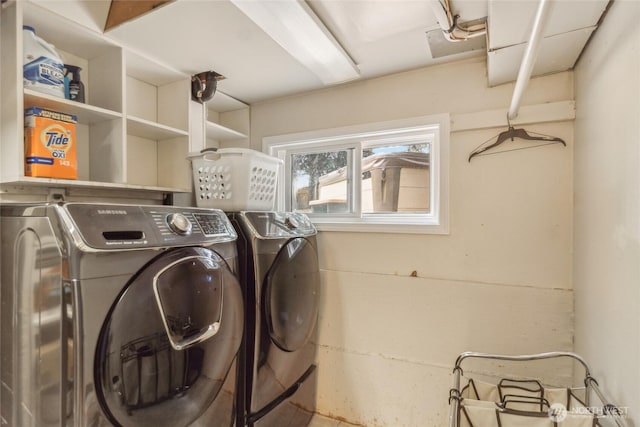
[
  {"x": 196, "y": 36},
  {"x": 381, "y": 36},
  {"x": 557, "y": 53},
  {"x": 358, "y": 23},
  {"x": 510, "y": 21},
  {"x": 139, "y": 67}
]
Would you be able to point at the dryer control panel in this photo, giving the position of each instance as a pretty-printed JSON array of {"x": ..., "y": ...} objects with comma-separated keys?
[
  {"x": 110, "y": 226},
  {"x": 276, "y": 225}
]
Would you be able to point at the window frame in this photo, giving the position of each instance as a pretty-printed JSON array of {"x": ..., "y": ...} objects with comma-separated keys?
[{"x": 367, "y": 135}]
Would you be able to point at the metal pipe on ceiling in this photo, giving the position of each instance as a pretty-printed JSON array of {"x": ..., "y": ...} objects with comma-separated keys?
[
  {"x": 453, "y": 31},
  {"x": 528, "y": 59}
]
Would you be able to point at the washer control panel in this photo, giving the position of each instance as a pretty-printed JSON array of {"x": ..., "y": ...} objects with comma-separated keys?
[
  {"x": 197, "y": 224},
  {"x": 276, "y": 225},
  {"x": 291, "y": 222},
  {"x": 103, "y": 226},
  {"x": 210, "y": 224},
  {"x": 179, "y": 223}
]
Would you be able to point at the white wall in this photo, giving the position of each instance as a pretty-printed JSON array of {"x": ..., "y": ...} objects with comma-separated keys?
[
  {"x": 499, "y": 282},
  {"x": 607, "y": 205}
]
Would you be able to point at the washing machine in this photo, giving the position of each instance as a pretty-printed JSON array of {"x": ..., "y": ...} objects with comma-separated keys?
[
  {"x": 280, "y": 278},
  {"x": 118, "y": 315}
]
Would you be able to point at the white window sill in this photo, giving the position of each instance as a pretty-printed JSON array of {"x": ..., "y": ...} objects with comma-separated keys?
[{"x": 373, "y": 226}]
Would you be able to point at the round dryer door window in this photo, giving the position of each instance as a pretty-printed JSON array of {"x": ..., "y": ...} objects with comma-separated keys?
[
  {"x": 291, "y": 294},
  {"x": 169, "y": 340}
]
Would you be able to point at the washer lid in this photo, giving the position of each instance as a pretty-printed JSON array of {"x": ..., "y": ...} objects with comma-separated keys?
[{"x": 169, "y": 340}]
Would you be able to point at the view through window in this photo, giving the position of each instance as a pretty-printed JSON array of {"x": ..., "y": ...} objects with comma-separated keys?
[
  {"x": 388, "y": 176},
  {"x": 394, "y": 178}
]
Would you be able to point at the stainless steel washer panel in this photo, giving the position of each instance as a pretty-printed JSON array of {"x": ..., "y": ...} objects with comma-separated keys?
[
  {"x": 110, "y": 227},
  {"x": 278, "y": 225},
  {"x": 91, "y": 236},
  {"x": 282, "y": 290},
  {"x": 268, "y": 232},
  {"x": 30, "y": 322},
  {"x": 58, "y": 284}
]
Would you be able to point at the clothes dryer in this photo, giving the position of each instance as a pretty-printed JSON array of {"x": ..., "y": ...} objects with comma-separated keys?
[
  {"x": 281, "y": 280},
  {"x": 120, "y": 315}
]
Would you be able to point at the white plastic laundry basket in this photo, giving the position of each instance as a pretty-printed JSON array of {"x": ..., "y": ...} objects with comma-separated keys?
[{"x": 235, "y": 179}]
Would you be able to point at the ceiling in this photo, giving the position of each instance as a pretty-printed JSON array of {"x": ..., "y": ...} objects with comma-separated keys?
[{"x": 381, "y": 37}]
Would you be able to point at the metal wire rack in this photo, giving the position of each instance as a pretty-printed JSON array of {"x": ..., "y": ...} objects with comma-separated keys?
[{"x": 518, "y": 402}]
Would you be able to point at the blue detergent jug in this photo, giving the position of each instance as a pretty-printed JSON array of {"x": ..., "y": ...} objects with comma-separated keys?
[{"x": 43, "y": 67}]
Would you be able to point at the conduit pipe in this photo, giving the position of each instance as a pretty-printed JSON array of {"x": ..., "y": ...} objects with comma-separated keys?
[
  {"x": 529, "y": 59},
  {"x": 449, "y": 23}
]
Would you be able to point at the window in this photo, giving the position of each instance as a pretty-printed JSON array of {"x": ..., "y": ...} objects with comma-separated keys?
[{"x": 384, "y": 177}]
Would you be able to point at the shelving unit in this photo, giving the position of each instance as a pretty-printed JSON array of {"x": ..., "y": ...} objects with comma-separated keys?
[
  {"x": 157, "y": 120},
  {"x": 222, "y": 133},
  {"x": 227, "y": 122},
  {"x": 86, "y": 113},
  {"x": 133, "y": 132},
  {"x": 152, "y": 130}
]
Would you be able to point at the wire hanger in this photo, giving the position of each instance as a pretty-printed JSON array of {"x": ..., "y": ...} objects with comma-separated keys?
[{"x": 513, "y": 133}]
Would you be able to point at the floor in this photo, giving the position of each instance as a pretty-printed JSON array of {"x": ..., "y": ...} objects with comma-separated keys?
[{"x": 320, "y": 421}]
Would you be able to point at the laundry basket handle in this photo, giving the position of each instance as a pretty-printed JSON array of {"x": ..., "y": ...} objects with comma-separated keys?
[
  {"x": 524, "y": 357},
  {"x": 210, "y": 153}
]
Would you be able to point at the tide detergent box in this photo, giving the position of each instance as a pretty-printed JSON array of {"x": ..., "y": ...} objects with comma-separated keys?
[{"x": 50, "y": 144}]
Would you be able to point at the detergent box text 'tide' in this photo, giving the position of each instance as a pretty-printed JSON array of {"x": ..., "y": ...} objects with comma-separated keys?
[{"x": 50, "y": 144}]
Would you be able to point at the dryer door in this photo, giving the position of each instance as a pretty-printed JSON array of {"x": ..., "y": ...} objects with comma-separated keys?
[
  {"x": 291, "y": 294},
  {"x": 169, "y": 340}
]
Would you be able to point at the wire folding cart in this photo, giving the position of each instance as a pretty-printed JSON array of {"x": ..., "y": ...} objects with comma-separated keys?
[{"x": 517, "y": 402}]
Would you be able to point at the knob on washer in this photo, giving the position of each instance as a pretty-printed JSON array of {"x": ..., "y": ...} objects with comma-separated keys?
[
  {"x": 179, "y": 224},
  {"x": 291, "y": 223}
]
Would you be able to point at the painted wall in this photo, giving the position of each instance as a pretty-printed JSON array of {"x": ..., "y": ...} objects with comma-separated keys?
[
  {"x": 501, "y": 280},
  {"x": 607, "y": 205}
]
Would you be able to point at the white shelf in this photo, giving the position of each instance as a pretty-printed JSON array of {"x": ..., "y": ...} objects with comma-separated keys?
[
  {"x": 86, "y": 114},
  {"x": 51, "y": 182},
  {"x": 222, "y": 133},
  {"x": 221, "y": 102},
  {"x": 134, "y": 130},
  {"x": 152, "y": 130},
  {"x": 228, "y": 120}
]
